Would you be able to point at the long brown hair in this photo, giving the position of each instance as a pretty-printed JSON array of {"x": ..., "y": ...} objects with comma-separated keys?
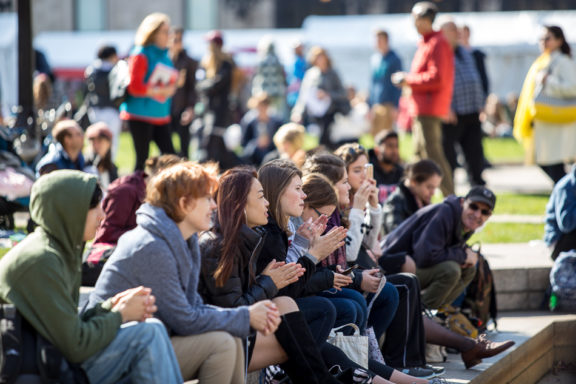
[
  {"x": 231, "y": 197},
  {"x": 327, "y": 164},
  {"x": 319, "y": 191},
  {"x": 275, "y": 177}
]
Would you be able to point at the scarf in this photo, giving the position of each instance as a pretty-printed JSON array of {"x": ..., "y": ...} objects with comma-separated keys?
[
  {"x": 523, "y": 131},
  {"x": 338, "y": 257}
]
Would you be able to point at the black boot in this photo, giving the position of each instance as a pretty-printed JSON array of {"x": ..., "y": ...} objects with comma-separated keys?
[{"x": 305, "y": 364}]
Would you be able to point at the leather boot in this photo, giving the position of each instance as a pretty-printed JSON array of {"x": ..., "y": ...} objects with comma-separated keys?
[
  {"x": 305, "y": 364},
  {"x": 484, "y": 348}
]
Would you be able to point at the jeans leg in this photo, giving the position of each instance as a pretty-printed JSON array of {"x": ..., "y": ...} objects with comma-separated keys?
[
  {"x": 320, "y": 314},
  {"x": 350, "y": 307},
  {"x": 140, "y": 353}
]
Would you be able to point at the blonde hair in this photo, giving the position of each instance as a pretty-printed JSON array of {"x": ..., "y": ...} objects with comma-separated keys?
[
  {"x": 315, "y": 52},
  {"x": 212, "y": 61},
  {"x": 149, "y": 27},
  {"x": 292, "y": 133}
]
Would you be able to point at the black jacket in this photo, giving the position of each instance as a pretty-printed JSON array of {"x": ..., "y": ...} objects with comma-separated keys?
[
  {"x": 399, "y": 206},
  {"x": 243, "y": 287},
  {"x": 431, "y": 235},
  {"x": 380, "y": 175},
  {"x": 275, "y": 247}
]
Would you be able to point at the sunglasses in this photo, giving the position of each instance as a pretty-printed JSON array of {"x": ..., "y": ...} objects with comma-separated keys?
[
  {"x": 317, "y": 212},
  {"x": 476, "y": 207}
]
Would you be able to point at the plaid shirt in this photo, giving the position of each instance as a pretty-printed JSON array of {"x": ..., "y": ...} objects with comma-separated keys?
[{"x": 468, "y": 96}]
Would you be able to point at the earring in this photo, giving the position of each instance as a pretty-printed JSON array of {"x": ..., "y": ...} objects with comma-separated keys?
[{"x": 245, "y": 215}]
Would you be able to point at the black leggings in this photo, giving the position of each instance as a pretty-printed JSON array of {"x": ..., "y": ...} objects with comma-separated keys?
[
  {"x": 334, "y": 356},
  {"x": 143, "y": 133}
]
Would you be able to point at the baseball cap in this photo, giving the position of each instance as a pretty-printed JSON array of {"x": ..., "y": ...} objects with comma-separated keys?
[
  {"x": 482, "y": 195},
  {"x": 215, "y": 37}
]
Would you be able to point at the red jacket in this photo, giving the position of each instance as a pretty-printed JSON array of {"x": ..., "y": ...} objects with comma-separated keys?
[
  {"x": 431, "y": 77},
  {"x": 123, "y": 198}
]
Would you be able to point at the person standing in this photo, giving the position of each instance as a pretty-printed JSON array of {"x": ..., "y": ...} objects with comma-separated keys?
[
  {"x": 554, "y": 74},
  {"x": 463, "y": 125},
  {"x": 384, "y": 96},
  {"x": 322, "y": 95},
  {"x": 182, "y": 108},
  {"x": 270, "y": 78},
  {"x": 431, "y": 81},
  {"x": 146, "y": 111},
  {"x": 101, "y": 108}
]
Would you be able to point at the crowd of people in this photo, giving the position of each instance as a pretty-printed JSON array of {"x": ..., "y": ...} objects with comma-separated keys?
[{"x": 249, "y": 258}]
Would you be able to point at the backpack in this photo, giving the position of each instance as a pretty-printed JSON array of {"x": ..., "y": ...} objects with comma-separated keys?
[
  {"x": 23, "y": 351},
  {"x": 563, "y": 281},
  {"x": 118, "y": 81},
  {"x": 98, "y": 86},
  {"x": 480, "y": 301}
]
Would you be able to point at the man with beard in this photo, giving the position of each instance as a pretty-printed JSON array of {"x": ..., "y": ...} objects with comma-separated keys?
[
  {"x": 386, "y": 160},
  {"x": 435, "y": 239}
]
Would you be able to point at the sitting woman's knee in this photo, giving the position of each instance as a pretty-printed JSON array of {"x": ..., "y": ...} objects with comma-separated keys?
[
  {"x": 409, "y": 265},
  {"x": 285, "y": 304}
]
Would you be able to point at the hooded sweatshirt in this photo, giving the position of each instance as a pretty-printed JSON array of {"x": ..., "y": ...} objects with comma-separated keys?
[
  {"x": 431, "y": 235},
  {"x": 41, "y": 275},
  {"x": 155, "y": 255}
]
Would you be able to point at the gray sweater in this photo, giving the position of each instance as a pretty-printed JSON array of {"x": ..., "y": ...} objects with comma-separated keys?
[{"x": 155, "y": 255}]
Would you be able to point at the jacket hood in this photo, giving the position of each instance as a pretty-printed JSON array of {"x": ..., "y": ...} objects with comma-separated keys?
[
  {"x": 158, "y": 224},
  {"x": 59, "y": 204},
  {"x": 455, "y": 204}
]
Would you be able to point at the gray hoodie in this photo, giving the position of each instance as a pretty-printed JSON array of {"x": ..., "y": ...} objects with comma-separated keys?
[{"x": 155, "y": 255}]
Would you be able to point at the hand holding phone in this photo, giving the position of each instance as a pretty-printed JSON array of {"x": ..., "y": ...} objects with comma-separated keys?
[
  {"x": 349, "y": 270},
  {"x": 369, "y": 167}
]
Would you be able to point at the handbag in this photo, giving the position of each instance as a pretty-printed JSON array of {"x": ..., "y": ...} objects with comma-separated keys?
[
  {"x": 550, "y": 109},
  {"x": 354, "y": 346},
  {"x": 374, "y": 351}
]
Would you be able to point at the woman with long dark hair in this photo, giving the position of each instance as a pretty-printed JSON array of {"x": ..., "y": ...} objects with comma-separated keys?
[
  {"x": 229, "y": 279},
  {"x": 162, "y": 253}
]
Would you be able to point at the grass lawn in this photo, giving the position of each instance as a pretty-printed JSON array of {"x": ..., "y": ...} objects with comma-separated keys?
[
  {"x": 508, "y": 233},
  {"x": 3, "y": 251}
]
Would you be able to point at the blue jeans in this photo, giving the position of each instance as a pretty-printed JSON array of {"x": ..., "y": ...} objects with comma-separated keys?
[
  {"x": 140, "y": 353},
  {"x": 350, "y": 307},
  {"x": 383, "y": 309}
]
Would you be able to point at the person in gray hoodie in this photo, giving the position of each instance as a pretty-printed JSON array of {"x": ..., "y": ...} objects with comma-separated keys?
[{"x": 162, "y": 252}]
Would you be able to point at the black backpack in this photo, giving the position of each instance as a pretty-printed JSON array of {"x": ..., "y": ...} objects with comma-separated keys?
[
  {"x": 480, "y": 301},
  {"x": 23, "y": 351}
]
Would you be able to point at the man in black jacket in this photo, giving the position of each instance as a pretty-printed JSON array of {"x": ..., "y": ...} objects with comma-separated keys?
[{"x": 435, "y": 238}]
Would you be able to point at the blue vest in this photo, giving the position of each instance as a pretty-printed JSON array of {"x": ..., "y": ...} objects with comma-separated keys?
[{"x": 147, "y": 107}]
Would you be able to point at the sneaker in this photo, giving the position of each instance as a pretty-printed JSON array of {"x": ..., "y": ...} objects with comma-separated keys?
[
  {"x": 436, "y": 369},
  {"x": 419, "y": 372},
  {"x": 438, "y": 380}
]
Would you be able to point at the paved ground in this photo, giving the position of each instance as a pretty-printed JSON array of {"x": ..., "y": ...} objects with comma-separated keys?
[{"x": 517, "y": 326}]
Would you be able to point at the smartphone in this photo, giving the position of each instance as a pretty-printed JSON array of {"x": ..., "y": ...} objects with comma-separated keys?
[
  {"x": 369, "y": 167},
  {"x": 349, "y": 270}
]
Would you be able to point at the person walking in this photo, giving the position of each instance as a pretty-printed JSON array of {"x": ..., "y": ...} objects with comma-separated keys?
[{"x": 549, "y": 144}]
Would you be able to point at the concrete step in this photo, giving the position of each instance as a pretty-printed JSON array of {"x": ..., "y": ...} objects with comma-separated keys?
[{"x": 521, "y": 274}]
